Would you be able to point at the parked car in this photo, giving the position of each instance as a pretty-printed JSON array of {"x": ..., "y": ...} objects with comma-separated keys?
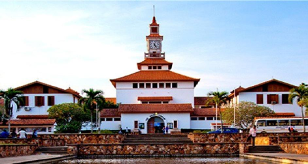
[{"x": 226, "y": 130}]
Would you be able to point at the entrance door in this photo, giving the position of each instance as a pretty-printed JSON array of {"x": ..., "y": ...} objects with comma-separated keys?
[{"x": 155, "y": 125}]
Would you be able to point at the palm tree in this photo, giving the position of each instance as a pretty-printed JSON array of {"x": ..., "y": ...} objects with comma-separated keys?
[
  {"x": 11, "y": 96},
  {"x": 219, "y": 98},
  {"x": 94, "y": 100},
  {"x": 301, "y": 93}
]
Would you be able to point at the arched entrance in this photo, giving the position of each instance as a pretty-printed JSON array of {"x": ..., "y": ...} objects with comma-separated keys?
[{"x": 155, "y": 125}]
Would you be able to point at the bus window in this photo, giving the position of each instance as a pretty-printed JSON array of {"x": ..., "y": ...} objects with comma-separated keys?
[
  {"x": 261, "y": 123},
  {"x": 296, "y": 122},
  {"x": 283, "y": 122},
  {"x": 271, "y": 123}
]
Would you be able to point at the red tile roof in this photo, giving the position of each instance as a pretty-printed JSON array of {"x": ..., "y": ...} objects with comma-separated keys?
[
  {"x": 284, "y": 114},
  {"x": 110, "y": 112},
  {"x": 269, "y": 81},
  {"x": 69, "y": 90},
  {"x": 154, "y": 61},
  {"x": 237, "y": 90},
  {"x": 32, "y": 116},
  {"x": 154, "y": 23},
  {"x": 205, "y": 112},
  {"x": 144, "y": 76},
  {"x": 153, "y": 108},
  {"x": 167, "y": 98},
  {"x": 111, "y": 99},
  {"x": 33, "y": 122},
  {"x": 220, "y": 124},
  {"x": 202, "y": 100}
]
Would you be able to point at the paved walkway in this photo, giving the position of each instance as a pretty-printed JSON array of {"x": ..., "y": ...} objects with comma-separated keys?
[
  {"x": 280, "y": 157},
  {"x": 30, "y": 158}
]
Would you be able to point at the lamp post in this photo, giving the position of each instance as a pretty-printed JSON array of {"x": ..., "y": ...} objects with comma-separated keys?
[
  {"x": 216, "y": 117},
  {"x": 234, "y": 103}
]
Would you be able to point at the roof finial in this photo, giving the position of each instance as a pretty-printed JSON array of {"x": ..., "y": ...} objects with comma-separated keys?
[{"x": 153, "y": 10}]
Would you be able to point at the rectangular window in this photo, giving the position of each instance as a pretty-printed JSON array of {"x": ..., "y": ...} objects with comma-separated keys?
[
  {"x": 51, "y": 100},
  {"x": 102, "y": 119},
  {"x": 135, "y": 85},
  {"x": 193, "y": 118},
  {"x": 168, "y": 85},
  {"x": 209, "y": 118},
  {"x": 175, "y": 123},
  {"x": 285, "y": 99},
  {"x": 306, "y": 122},
  {"x": 155, "y": 102},
  {"x": 154, "y": 85},
  {"x": 149, "y": 67},
  {"x": 45, "y": 89},
  {"x": 108, "y": 119},
  {"x": 161, "y": 85},
  {"x": 283, "y": 122},
  {"x": 158, "y": 67},
  {"x": 259, "y": 98},
  {"x": 271, "y": 123},
  {"x": 154, "y": 67},
  {"x": 272, "y": 99},
  {"x": 148, "y": 85},
  {"x": 25, "y": 101},
  {"x": 201, "y": 118},
  {"x": 261, "y": 123},
  {"x": 154, "y": 29},
  {"x": 141, "y": 85},
  {"x": 174, "y": 85},
  {"x": 144, "y": 102},
  {"x": 296, "y": 122},
  {"x": 136, "y": 124},
  {"x": 170, "y": 125},
  {"x": 39, "y": 100},
  {"x": 165, "y": 102},
  {"x": 117, "y": 119}
]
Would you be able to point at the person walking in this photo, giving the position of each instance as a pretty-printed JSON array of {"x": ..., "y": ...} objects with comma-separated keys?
[
  {"x": 22, "y": 133},
  {"x": 4, "y": 134},
  {"x": 14, "y": 134},
  {"x": 163, "y": 129},
  {"x": 253, "y": 134},
  {"x": 34, "y": 134},
  {"x": 167, "y": 128}
]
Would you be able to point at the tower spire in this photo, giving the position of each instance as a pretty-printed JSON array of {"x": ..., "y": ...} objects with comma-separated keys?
[{"x": 153, "y": 10}]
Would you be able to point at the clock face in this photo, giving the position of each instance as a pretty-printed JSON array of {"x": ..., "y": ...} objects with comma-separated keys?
[{"x": 154, "y": 44}]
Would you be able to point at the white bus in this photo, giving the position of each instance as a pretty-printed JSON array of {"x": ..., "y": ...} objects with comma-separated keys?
[{"x": 279, "y": 125}]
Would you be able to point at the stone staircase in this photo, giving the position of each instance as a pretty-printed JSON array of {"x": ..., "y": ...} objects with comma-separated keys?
[
  {"x": 265, "y": 149},
  {"x": 52, "y": 150},
  {"x": 157, "y": 139}
]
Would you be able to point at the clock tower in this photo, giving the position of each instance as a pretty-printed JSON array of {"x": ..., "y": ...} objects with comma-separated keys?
[{"x": 154, "y": 42}]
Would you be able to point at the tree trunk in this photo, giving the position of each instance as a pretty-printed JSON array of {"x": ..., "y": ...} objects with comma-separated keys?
[
  {"x": 304, "y": 127},
  {"x": 91, "y": 122},
  {"x": 221, "y": 125},
  {"x": 99, "y": 122},
  {"x": 9, "y": 128}
]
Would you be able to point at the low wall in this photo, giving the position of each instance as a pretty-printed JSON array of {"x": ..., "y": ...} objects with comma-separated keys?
[
  {"x": 16, "y": 150},
  {"x": 295, "y": 147},
  {"x": 226, "y": 149},
  {"x": 47, "y": 140},
  {"x": 218, "y": 138}
]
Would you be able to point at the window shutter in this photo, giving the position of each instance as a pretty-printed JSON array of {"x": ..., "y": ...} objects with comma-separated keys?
[
  {"x": 51, "y": 100},
  {"x": 259, "y": 98},
  {"x": 269, "y": 99},
  {"x": 26, "y": 100},
  {"x": 36, "y": 101}
]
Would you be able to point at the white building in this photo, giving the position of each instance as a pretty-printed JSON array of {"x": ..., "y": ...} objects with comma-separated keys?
[
  {"x": 155, "y": 96},
  {"x": 272, "y": 93},
  {"x": 38, "y": 97}
]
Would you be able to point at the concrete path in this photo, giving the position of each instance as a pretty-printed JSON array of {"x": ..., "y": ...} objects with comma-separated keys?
[
  {"x": 33, "y": 158},
  {"x": 280, "y": 157}
]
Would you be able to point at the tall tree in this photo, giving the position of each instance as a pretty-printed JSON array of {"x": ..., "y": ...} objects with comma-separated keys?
[
  {"x": 11, "y": 97},
  {"x": 69, "y": 117},
  {"x": 245, "y": 113},
  {"x": 301, "y": 94},
  {"x": 94, "y": 99},
  {"x": 219, "y": 98}
]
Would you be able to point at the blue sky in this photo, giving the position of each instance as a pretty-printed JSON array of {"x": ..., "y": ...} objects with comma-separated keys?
[{"x": 84, "y": 44}]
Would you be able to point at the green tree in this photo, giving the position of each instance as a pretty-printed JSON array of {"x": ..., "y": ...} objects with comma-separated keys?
[
  {"x": 94, "y": 99},
  {"x": 219, "y": 98},
  {"x": 245, "y": 113},
  {"x": 69, "y": 117},
  {"x": 11, "y": 97},
  {"x": 301, "y": 94}
]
